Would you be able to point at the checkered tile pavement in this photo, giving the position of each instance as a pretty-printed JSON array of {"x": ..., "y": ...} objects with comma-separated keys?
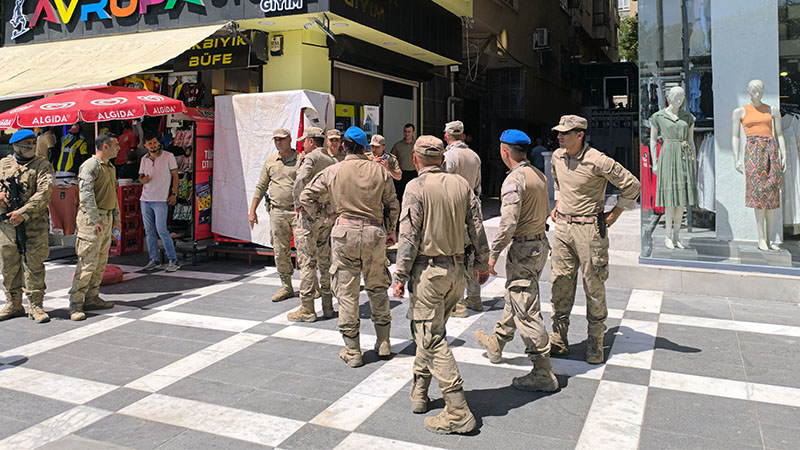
[{"x": 201, "y": 358}]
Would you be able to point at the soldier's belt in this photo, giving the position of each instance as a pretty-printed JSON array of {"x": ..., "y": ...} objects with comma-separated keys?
[
  {"x": 535, "y": 237},
  {"x": 282, "y": 208},
  {"x": 439, "y": 259},
  {"x": 576, "y": 219},
  {"x": 345, "y": 221}
]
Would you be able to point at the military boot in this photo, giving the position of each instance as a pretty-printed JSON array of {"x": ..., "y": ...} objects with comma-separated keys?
[
  {"x": 95, "y": 303},
  {"x": 76, "y": 309},
  {"x": 305, "y": 313},
  {"x": 351, "y": 353},
  {"x": 541, "y": 378},
  {"x": 327, "y": 306},
  {"x": 455, "y": 418},
  {"x": 13, "y": 308},
  {"x": 382, "y": 345},
  {"x": 419, "y": 394},
  {"x": 594, "y": 350},
  {"x": 460, "y": 311},
  {"x": 474, "y": 303},
  {"x": 35, "y": 311},
  {"x": 493, "y": 346},
  {"x": 558, "y": 339},
  {"x": 286, "y": 290}
]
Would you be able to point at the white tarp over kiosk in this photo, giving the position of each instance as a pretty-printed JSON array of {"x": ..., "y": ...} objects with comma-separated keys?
[{"x": 243, "y": 126}]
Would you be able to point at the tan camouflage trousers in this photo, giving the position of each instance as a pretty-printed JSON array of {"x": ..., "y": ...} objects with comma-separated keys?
[
  {"x": 92, "y": 250},
  {"x": 579, "y": 246},
  {"x": 24, "y": 274},
  {"x": 360, "y": 250},
  {"x": 523, "y": 310},
  {"x": 280, "y": 224},
  {"x": 433, "y": 291},
  {"x": 312, "y": 241},
  {"x": 473, "y": 287}
]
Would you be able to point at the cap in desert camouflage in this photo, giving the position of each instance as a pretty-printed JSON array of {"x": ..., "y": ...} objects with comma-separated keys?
[
  {"x": 334, "y": 133},
  {"x": 454, "y": 127},
  {"x": 429, "y": 146},
  {"x": 377, "y": 140},
  {"x": 312, "y": 132},
  {"x": 570, "y": 122},
  {"x": 280, "y": 133}
]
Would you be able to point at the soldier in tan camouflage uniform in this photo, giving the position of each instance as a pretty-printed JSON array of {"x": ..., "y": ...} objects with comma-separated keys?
[
  {"x": 377, "y": 152},
  {"x": 523, "y": 214},
  {"x": 580, "y": 174},
  {"x": 437, "y": 207},
  {"x": 277, "y": 177},
  {"x": 461, "y": 160},
  {"x": 312, "y": 236},
  {"x": 97, "y": 217},
  {"x": 25, "y": 273},
  {"x": 362, "y": 195}
]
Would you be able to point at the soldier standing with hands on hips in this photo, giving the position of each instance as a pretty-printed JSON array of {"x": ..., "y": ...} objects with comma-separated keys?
[
  {"x": 437, "y": 206},
  {"x": 24, "y": 235},
  {"x": 97, "y": 217},
  {"x": 580, "y": 174},
  {"x": 523, "y": 215}
]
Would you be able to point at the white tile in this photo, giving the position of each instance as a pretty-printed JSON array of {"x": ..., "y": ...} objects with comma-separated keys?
[
  {"x": 56, "y": 294},
  {"x": 358, "y": 441},
  {"x": 352, "y": 409},
  {"x": 699, "y": 385},
  {"x": 615, "y": 417},
  {"x": 229, "y": 422},
  {"x": 329, "y": 337},
  {"x": 210, "y": 276},
  {"x": 201, "y": 321},
  {"x": 645, "y": 301},
  {"x": 54, "y": 428},
  {"x": 50, "y": 385},
  {"x": 779, "y": 395},
  {"x": 634, "y": 344},
  {"x": 132, "y": 276},
  {"x": 266, "y": 281},
  {"x": 194, "y": 294},
  {"x": 580, "y": 310},
  {"x": 521, "y": 362},
  {"x": 732, "y": 325},
  {"x": 65, "y": 338},
  {"x": 193, "y": 363}
]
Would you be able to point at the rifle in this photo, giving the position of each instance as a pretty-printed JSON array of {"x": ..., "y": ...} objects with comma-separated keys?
[{"x": 14, "y": 188}]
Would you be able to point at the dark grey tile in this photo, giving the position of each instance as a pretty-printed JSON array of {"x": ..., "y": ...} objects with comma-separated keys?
[
  {"x": 769, "y": 339},
  {"x": 292, "y": 406},
  {"x": 691, "y": 364},
  {"x": 307, "y": 386},
  {"x": 72, "y": 442},
  {"x": 644, "y": 316},
  {"x": 778, "y": 415},
  {"x": 778, "y": 437},
  {"x": 665, "y": 440},
  {"x": 696, "y": 306},
  {"x": 627, "y": 375},
  {"x": 80, "y": 367},
  {"x": 9, "y": 426},
  {"x": 716, "y": 418},
  {"x": 237, "y": 374},
  {"x": 492, "y": 438},
  {"x": 130, "y": 431},
  {"x": 139, "y": 313},
  {"x": 314, "y": 437},
  {"x": 117, "y": 399},
  {"x": 191, "y": 439},
  {"x": 224, "y": 311},
  {"x": 135, "y": 341},
  {"x": 206, "y": 391},
  {"x": 97, "y": 351},
  {"x": 176, "y": 331},
  {"x": 266, "y": 329},
  {"x": 29, "y": 408}
]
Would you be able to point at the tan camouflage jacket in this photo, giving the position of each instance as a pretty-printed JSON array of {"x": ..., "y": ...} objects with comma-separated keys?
[{"x": 37, "y": 180}]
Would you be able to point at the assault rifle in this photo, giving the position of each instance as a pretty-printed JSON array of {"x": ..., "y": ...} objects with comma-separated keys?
[{"x": 14, "y": 188}]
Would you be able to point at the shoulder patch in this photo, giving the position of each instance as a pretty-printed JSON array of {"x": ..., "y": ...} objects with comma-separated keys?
[
  {"x": 607, "y": 164},
  {"x": 510, "y": 193},
  {"x": 617, "y": 170}
]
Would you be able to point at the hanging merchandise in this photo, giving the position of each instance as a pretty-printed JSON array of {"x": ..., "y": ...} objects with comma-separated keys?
[
  {"x": 74, "y": 151},
  {"x": 63, "y": 206},
  {"x": 705, "y": 173},
  {"x": 791, "y": 187}
]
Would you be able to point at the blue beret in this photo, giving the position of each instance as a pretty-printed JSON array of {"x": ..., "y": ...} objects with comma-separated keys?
[
  {"x": 21, "y": 135},
  {"x": 515, "y": 137},
  {"x": 357, "y": 135}
]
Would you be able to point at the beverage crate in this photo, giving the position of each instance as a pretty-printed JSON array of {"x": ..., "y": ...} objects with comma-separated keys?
[
  {"x": 125, "y": 246},
  {"x": 132, "y": 227},
  {"x": 130, "y": 209},
  {"x": 127, "y": 194}
]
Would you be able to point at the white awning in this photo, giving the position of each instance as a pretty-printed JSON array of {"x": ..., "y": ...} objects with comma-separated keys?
[{"x": 38, "y": 69}]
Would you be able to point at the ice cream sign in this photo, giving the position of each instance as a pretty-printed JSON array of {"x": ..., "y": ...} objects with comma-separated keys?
[{"x": 63, "y": 11}]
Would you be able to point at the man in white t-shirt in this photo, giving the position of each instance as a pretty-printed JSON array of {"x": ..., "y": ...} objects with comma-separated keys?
[{"x": 158, "y": 172}]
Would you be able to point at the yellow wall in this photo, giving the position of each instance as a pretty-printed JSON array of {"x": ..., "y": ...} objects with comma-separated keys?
[{"x": 304, "y": 64}]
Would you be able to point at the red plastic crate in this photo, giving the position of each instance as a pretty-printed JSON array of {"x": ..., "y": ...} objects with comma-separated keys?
[
  {"x": 125, "y": 246},
  {"x": 133, "y": 208},
  {"x": 130, "y": 193}
]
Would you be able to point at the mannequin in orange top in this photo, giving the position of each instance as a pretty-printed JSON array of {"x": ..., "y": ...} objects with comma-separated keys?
[{"x": 764, "y": 159}]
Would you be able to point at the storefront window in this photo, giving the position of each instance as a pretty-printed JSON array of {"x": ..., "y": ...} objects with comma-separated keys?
[{"x": 720, "y": 123}]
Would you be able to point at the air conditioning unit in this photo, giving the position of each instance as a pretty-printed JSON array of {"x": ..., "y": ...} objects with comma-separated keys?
[{"x": 541, "y": 39}]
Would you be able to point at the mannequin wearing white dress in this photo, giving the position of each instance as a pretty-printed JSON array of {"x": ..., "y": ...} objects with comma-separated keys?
[{"x": 765, "y": 218}]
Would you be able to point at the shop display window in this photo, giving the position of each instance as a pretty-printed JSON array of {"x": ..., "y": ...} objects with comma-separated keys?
[{"x": 719, "y": 133}]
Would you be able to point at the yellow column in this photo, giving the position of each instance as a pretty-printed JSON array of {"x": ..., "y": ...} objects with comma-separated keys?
[{"x": 303, "y": 65}]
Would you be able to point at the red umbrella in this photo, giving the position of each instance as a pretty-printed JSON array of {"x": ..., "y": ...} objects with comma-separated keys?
[{"x": 90, "y": 105}]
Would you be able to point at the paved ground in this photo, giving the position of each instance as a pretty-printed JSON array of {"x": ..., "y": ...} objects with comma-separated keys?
[{"x": 201, "y": 359}]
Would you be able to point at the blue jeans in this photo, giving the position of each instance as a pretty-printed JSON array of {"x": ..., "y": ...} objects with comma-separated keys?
[{"x": 154, "y": 215}]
